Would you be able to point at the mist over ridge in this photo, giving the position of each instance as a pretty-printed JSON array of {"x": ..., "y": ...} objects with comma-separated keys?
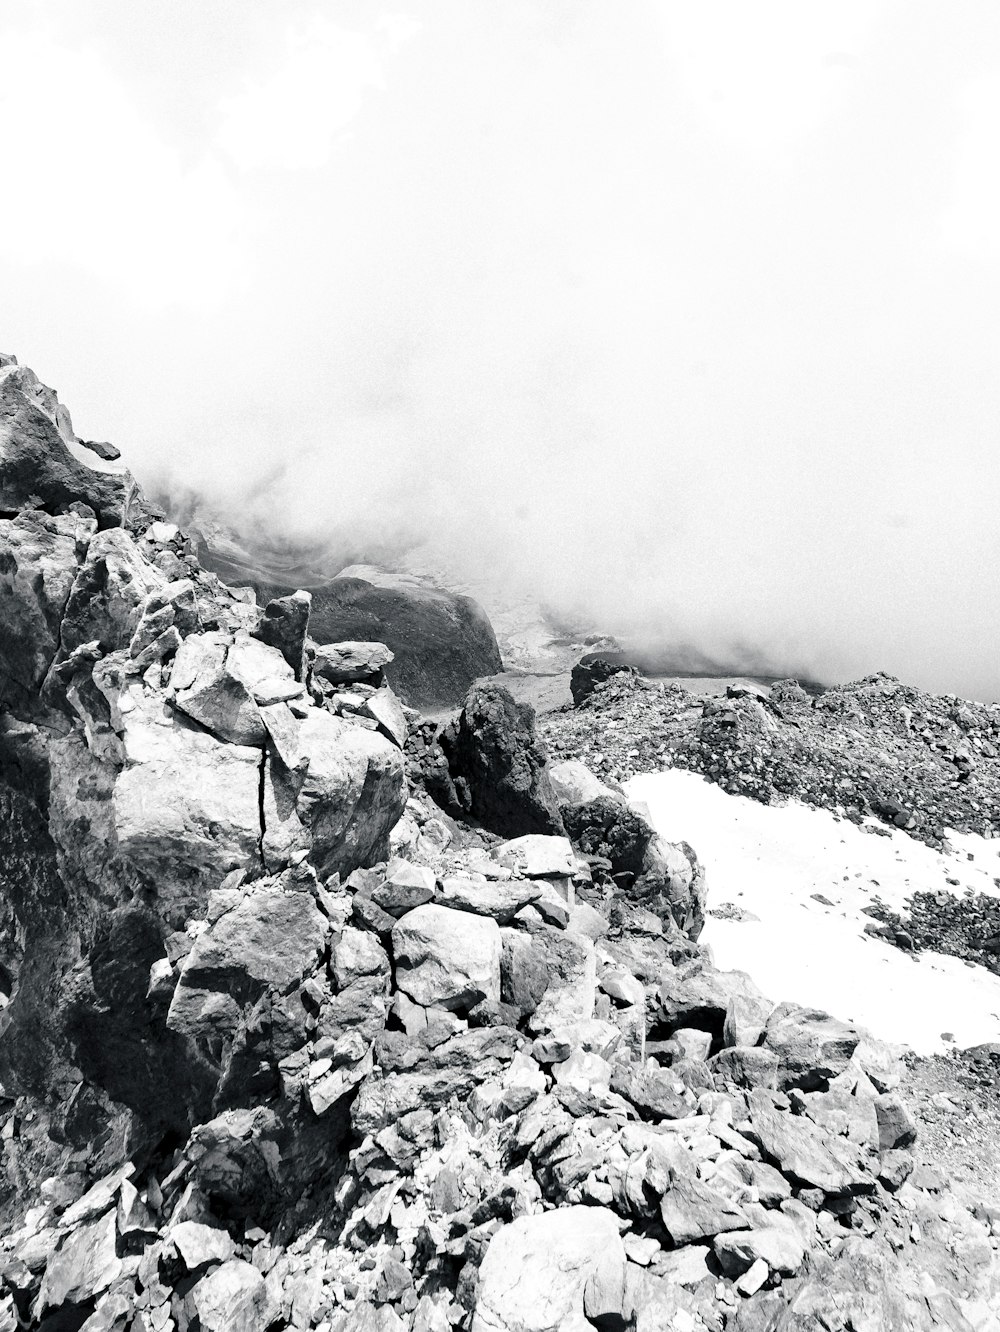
[{"x": 681, "y": 321}]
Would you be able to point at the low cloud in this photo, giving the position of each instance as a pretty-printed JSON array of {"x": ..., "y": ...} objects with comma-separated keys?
[{"x": 683, "y": 324}]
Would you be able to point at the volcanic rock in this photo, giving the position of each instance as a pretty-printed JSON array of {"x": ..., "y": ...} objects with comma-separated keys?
[{"x": 498, "y": 767}]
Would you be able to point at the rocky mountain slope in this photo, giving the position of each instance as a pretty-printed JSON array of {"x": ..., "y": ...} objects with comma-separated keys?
[{"x": 320, "y": 1016}]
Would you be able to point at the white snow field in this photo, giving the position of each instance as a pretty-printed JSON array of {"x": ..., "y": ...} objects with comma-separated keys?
[{"x": 770, "y": 860}]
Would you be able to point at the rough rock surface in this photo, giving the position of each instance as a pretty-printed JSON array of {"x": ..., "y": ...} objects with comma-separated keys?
[
  {"x": 494, "y": 767},
  {"x": 257, "y": 1074},
  {"x": 441, "y": 642}
]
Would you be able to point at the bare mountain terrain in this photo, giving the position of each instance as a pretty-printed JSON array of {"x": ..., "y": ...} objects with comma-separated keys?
[{"x": 319, "y": 1013}]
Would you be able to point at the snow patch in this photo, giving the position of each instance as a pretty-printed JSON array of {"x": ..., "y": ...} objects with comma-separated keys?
[{"x": 770, "y": 860}]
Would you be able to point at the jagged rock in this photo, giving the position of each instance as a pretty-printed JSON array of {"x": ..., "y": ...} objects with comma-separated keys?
[
  {"x": 343, "y": 804},
  {"x": 209, "y": 690},
  {"x": 802, "y": 1150},
  {"x": 356, "y": 955},
  {"x": 574, "y": 784},
  {"x": 405, "y": 886},
  {"x": 447, "y": 958},
  {"x": 186, "y": 812},
  {"x": 351, "y": 663},
  {"x": 667, "y": 878},
  {"x": 895, "y": 1127},
  {"x": 696, "y": 995},
  {"x": 233, "y": 1297},
  {"x": 384, "y": 708},
  {"x": 109, "y": 593},
  {"x": 85, "y": 1264},
  {"x": 812, "y": 1047},
  {"x": 746, "y": 1066},
  {"x": 537, "y": 1269},
  {"x": 37, "y": 464},
  {"x": 497, "y": 765},
  {"x": 538, "y": 856},
  {"x": 199, "y": 1245},
  {"x": 571, "y": 990},
  {"x": 501, "y": 899},
  {"x": 284, "y": 625},
  {"x": 592, "y": 670},
  {"x": 779, "y": 1247},
  {"x": 39, "y": 558},
  {"x": 267, "y": 936},
  {"x": 692, "y": 1210}
]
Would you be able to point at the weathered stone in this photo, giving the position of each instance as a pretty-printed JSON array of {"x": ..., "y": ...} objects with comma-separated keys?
[
  {"x": 571, "y": 991},
  {"x": 536, "y": 1270},
  {"x": 385, "y": 709},
  {"x": 199, "y": 1245},
  {"x": 214, "y": 695},
  {"x": 356, "y": 954},
  {"x": 779, "y": 1247},
  {"x": 85, "y": 1264},
  {"x": 349, "y": 663},
  {"x": 501, "y": 899},
  {"x": 343, "y": 805},
  {"x": 812, "y": 1047},
  {"x": 284, "y": 625},
  {"x": 574, "y": 784},
  {"x": 269, "y": 936},
  {"x": 746, "y": 1066},
  {"x": 448, "y": 958},
  {"x": 38, "y": 465},
  {"x": 895, "y": 1125},
  {"x": 498, "y": 766},
  {"x": 186, "y": 812},
  {"x": 39, "y": 557},
  {"x": 696, "y": 995},
  {"x": 233, "y": 1298},
  {"x": 802, "y": 1149},
  {"x": 405, "y": 887},
  {"x": 692, "y": 1210},
  {"x": 537, "y": 856}
]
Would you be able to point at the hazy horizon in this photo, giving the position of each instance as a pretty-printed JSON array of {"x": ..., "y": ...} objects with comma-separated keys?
[{"x": 683, "y": 318}]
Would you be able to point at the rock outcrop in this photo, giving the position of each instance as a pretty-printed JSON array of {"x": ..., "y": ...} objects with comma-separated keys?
[
  {"x": 286, "y": 1045},
  {"x": 440, "y": 642}
]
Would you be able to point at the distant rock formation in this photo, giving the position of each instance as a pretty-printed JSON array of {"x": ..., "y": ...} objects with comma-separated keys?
[{"x": 441, "y": 641}]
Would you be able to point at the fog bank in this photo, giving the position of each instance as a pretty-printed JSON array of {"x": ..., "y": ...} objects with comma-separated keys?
[{"x": 684, "y": 318}]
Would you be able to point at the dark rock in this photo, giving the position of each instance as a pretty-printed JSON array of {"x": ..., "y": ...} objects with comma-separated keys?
[
  {"x": 284, "y": 625},
  {"x": 497, "y": 766},
  {"x": 592, "y": 670},
  {"x": 441, "y": 641}
]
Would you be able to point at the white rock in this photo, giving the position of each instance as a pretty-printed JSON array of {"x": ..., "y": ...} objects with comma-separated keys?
[
  {"x": 447, "y": 958},
  {"x": 575, "y": 784},
  {"x": 199, "y": 1244},
  {"x": 538, "y": 856},
  {"x": 233, "y": 1298},
  {"x": 533, "y": 1276}
]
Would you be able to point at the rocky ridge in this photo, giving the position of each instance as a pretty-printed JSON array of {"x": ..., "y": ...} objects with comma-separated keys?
[
  {"x": 872, "y": 748},
  {"x": 286, "y": 1043}
]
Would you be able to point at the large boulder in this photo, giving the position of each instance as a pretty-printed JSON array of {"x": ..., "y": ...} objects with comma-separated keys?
[
  {"x": 340, "y": 803},
  {"x": 539, "y": 1271},
  {"x": 497, "y": 766},
  {"x": 445, "y": 958},
  {"x": 667, "y": 877},
  {"x": 441, "y": 641}
]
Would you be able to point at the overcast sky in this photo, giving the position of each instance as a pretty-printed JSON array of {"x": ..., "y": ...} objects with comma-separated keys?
[{"x": 685, "y": 314}]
